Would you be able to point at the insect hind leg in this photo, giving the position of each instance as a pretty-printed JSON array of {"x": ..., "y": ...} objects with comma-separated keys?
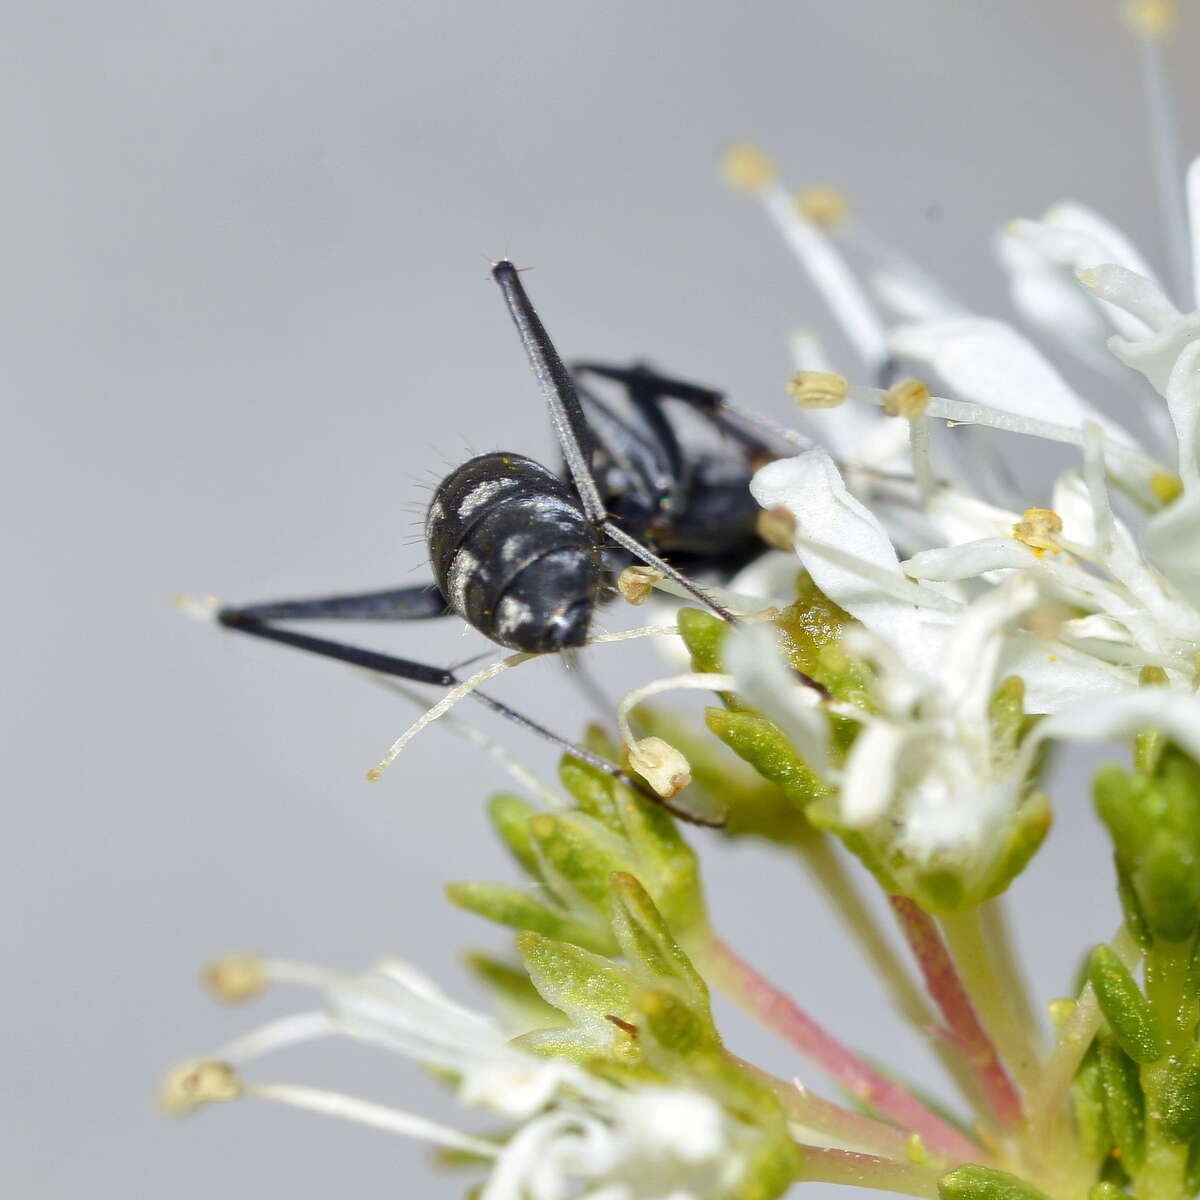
[
  {"x": 418, "y": 672},
  {"x": 414, "y": 603}
]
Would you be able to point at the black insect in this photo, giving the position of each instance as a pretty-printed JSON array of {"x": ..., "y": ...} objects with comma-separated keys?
[{"x": 525, "y": 556}]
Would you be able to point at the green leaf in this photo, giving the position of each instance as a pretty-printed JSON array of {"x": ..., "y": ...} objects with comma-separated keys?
[
  {"x": 1124, "y": 1006},
  {"x": 971, "y": 1182},
  {"x": 1087, "y": 1095},
  {"x": 648, "y": 946},
  {"x": 1124, "y": 1103},
  {"x": 577, "y": 855},
  {"x": 514, "y": 993},
  {"x": 1131, "y": 907},
  {"x": 703, "y": 634},
  {"x": 516, "y": 908},
  {"x": 510, "y": 816},
  {"x": 1106, "y": 1190},
  {"x": 585, "y": 986},
  {"x": 672, "y": 1025},
  {"x": 760, "y": 743}
]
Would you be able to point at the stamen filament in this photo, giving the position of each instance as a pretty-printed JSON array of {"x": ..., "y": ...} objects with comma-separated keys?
[{"x": 378, "y": 1116}]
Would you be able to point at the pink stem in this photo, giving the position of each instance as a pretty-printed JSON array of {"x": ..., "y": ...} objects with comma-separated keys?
[
  {"x": 947, "y": 991},
  {"x": 779, "y": 1012}
]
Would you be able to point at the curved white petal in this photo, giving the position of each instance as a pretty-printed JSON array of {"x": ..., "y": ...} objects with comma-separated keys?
[
  {"x": 811, "y": 489},
  {"x": 1131, "y": 292},
  {"x": 988, "y": 362},
  {"x": 870, "y": 773}
]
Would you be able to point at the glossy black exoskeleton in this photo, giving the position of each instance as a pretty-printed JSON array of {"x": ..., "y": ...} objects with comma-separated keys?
[{"x": 526, "y": 556}]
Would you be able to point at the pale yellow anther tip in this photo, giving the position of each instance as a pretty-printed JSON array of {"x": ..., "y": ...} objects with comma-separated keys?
[
  {"x": 660, "y": 765},
  {"x": 909, "y": 399},
  {"x": 236, "y": 977},
  {"x": 635, "y": 583},
  {"x": 777, "y": 527},
  {"x": 747, "y": 168},
  {"x": 823, "y": 205},
  {"x": 1039, "y": 528},
  {"x": 1152, "y": 18},
  {"x": 1166, "y": 487},
  {"x": 198, "y": 1082},
  {"x": 818, "y": 389},
  {"x": 1088, "y": 276},
  {"x": 1153, "y": 677}
]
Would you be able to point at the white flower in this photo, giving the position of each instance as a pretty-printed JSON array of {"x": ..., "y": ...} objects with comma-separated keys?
[
  {"x": 575, "y": 1134},
  {"x": 1103, "y": 589}
]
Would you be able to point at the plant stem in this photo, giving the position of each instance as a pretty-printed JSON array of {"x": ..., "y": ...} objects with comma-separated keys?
[
  {"x": 1047, "y": 1102},
  {"x": 865, "y": 1170},
  {"x": 950, "y": 996},
  {"x": 779, "y": 1012},
  {"x": 998, "y": 932},
  {"x": 1014, "y": 1040},
  {"x": 822, "y": 858},
  {"x": 837, "y": 1123}
]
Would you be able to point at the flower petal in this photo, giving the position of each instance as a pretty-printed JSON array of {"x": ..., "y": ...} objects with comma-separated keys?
[{"x": 990, "y": 363}]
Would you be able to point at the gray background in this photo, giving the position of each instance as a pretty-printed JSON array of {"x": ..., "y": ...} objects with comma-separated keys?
[{"x": 246, "y": 319}]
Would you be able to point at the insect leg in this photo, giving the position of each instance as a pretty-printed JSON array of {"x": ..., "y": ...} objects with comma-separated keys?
[
  {"x": 570, "y": 423},
  {"x": 566, "y": 414},
  {"x": 647, "y": 389},
  {"x": 397, "y": 604},
  {"x": 417, "y": 672}
]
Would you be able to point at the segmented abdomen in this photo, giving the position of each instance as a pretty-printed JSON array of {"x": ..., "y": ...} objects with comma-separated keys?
[{"x": 513, "y": 554}]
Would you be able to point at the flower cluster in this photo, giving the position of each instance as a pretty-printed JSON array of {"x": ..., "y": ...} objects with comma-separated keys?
[{"x": 925, "y": 629}]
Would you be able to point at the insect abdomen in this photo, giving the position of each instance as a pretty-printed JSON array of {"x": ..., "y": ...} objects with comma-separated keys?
[{"x": 513, "y": 554}]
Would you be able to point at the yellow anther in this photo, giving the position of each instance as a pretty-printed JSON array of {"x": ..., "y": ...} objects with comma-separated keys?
[
  {"x": 1153, "y": 677},
  {"x": 747, "y": 168},
  {"x": 1038, "y": 529},
  {"x": 823, "y": 205},
  {"x": 660, "y": 765},
  {"x": 1166, "y": 487},
  {"x": 818, "y": 389},
  {"x": 1152, "y": 18},
  {"x": 200, "y": 1081},
  {"x": 909, "y": 399},
  {"x": 637, "y": 582},
  {"x": 236, "y": 977},
  {"x": 777, "y": 527}
]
